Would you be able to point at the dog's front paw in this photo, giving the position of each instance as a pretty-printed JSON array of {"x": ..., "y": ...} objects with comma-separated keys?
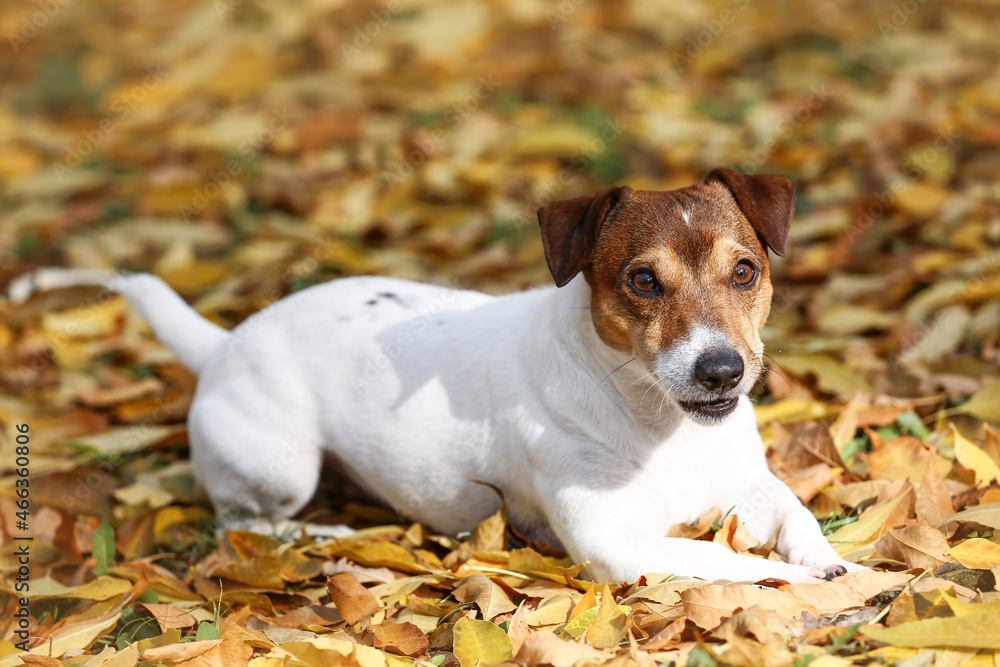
[
  {"x": 832, "y": 565},
  {"x": 761, "y": 569}
]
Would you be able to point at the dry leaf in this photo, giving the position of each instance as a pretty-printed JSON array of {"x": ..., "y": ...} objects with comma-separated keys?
[
  {"x": 402, "y": 638},
  {"x": 354, "y": 602},
  {"x": 920, "y": 545}
]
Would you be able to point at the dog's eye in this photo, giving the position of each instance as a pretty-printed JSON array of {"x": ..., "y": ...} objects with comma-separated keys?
[
  {"x": 644, "y": 281},
  {"x": 744, "y": 274}
]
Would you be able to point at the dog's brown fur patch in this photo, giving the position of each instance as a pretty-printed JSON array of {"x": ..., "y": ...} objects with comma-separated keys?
[{"x": 691, "y": 240}]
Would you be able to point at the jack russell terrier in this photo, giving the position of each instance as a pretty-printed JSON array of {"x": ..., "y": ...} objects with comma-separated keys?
[{"x": 607, "y": 408}]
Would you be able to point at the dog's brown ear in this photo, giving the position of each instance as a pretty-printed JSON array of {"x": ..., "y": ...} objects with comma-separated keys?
[
  {"x": 570, "y": 229},
  {"x": 768, "y": 202}
]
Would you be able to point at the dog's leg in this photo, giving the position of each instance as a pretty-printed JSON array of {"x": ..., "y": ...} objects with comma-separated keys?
[
  {"x": 768, "y": 505},
  {"x": 257, "y": 471},
  {"x": 610, "y": 536}
]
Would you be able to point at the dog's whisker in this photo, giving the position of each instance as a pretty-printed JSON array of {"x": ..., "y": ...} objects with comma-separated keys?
[{"x": 616, "y": 370}]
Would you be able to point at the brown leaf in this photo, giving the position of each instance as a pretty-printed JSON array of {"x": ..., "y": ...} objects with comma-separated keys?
[
  {"x": 697, "y": 530},
  {"x": 402, "y": 638},
  {"x": 933, "y": 501},
  {"x": 354, "y": 602},
  {"x": 543, "y": 647},
  {"x": 734, "y": 535},
  {"x": 708, "y": 606},
  {"x": 489, "y": 597},
  {"x": 518, "y": 629},
  {"x": 169, "y": 616},
  {"x": 491, "y": 533},
  {"x": 920, "y": 545},
  {"x": 806, "y": 445},
  {"x": 210, "y": 653},
  {"x": 903, "y": 458}
]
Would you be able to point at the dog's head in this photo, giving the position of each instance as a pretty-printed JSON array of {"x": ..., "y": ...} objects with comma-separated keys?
[{"x": 680, "y": 279}]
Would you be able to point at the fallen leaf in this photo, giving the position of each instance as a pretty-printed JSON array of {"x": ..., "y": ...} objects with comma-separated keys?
[
  {"x": 354, "y": 602},
  {"x": 871, "y": 526},
  {"x": 984, "y": 404},
  {"x": 518, "y": 629},
  {"x": 933, "y": 501},
  {"x": 980, "y": 632},
  {"x": 976, "y": 553},
  {"x": 490, "y": 598},
  {"x": 734, "y": 535},
  {"x": 480, "y": 642},
  {"x": 210, "y": 653},
  {"x": 402, "y": 638},
  {"x": 708, "y": 606},
  {"x": 975, "y": 459},
  {"x": 609, "y": 626},
  {"x": 545, "y": 648},
  {"x": 986, "y": 515},
  {"x": 920, "y": 545}
]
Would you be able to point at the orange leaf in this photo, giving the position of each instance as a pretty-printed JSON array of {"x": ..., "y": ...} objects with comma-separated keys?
[
  {"x": 354, "y": 602},
  {"x": 402, "y": 638}
]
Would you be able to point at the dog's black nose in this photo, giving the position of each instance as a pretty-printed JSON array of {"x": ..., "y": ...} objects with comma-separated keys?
[{"x": 719, "y": 370}]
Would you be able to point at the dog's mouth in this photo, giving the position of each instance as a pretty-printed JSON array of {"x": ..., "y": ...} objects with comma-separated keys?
[{"x": 711, "y": 409}]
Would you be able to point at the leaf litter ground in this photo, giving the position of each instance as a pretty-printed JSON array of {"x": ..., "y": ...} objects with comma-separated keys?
[{"x": 243, "y": 151}]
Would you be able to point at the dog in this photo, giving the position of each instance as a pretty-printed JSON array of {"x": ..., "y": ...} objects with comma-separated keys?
[{"x": 607, "y": 408}]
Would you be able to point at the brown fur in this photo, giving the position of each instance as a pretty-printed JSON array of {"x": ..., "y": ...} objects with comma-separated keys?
[{"x": 612, "y": 234}]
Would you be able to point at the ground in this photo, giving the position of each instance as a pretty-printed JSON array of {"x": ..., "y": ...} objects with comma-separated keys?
[{"x": 244, "y": 150}]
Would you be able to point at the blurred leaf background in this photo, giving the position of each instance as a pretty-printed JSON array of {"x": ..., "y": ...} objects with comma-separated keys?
[{"x": 244, "y": 149}]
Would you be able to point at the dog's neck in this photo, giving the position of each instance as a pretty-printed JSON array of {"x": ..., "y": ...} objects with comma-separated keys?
[{"x": 622, "y": 384}]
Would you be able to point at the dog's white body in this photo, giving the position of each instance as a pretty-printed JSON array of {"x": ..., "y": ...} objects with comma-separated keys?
[
  {"x": 606, "y": 410},
  {"x": 419, "y": 390}
]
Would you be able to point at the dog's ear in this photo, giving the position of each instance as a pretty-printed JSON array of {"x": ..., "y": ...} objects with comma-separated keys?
[
  {"x": 767, "y": 201},
  {"x": 570, "y": 229}
]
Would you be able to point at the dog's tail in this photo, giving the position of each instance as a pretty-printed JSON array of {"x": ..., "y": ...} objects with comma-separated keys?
[{"x": 189, "y": 335}]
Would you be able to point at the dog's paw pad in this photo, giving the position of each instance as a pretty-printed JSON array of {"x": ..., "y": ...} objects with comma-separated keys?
[{"x": 835, "y": 571}]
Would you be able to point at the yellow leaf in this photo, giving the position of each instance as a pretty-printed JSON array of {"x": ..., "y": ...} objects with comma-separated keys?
[
  {"x": 867, "y": 528},
  {"x": 979, "y": 631},
  {"x": 79, "y": 637},
  {"x": 488, "y": 596},
  {"x": 481, "y": 642},
  {"x": 984, "y": 404},
  {"x": 98, "y": 319},
  {"x": 975, "y": 459},
  {"x": 977, "y": 553},
  {"x": 588, "y": 601},
  {"x": 789, "y": 410},
  {"x": 609, "y": 626},
  {"x": 831, "y": 375},
  {"x": 529, "y": 561},
  {"x": 580, "y": 623},
  {"x": 846, "y": 424},
  {"x": 987, "y": 514},
  {"x": 101, "y": 588}
]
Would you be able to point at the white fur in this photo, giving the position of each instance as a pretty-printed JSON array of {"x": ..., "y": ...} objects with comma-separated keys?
[{"x": 418, "y": 390}]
